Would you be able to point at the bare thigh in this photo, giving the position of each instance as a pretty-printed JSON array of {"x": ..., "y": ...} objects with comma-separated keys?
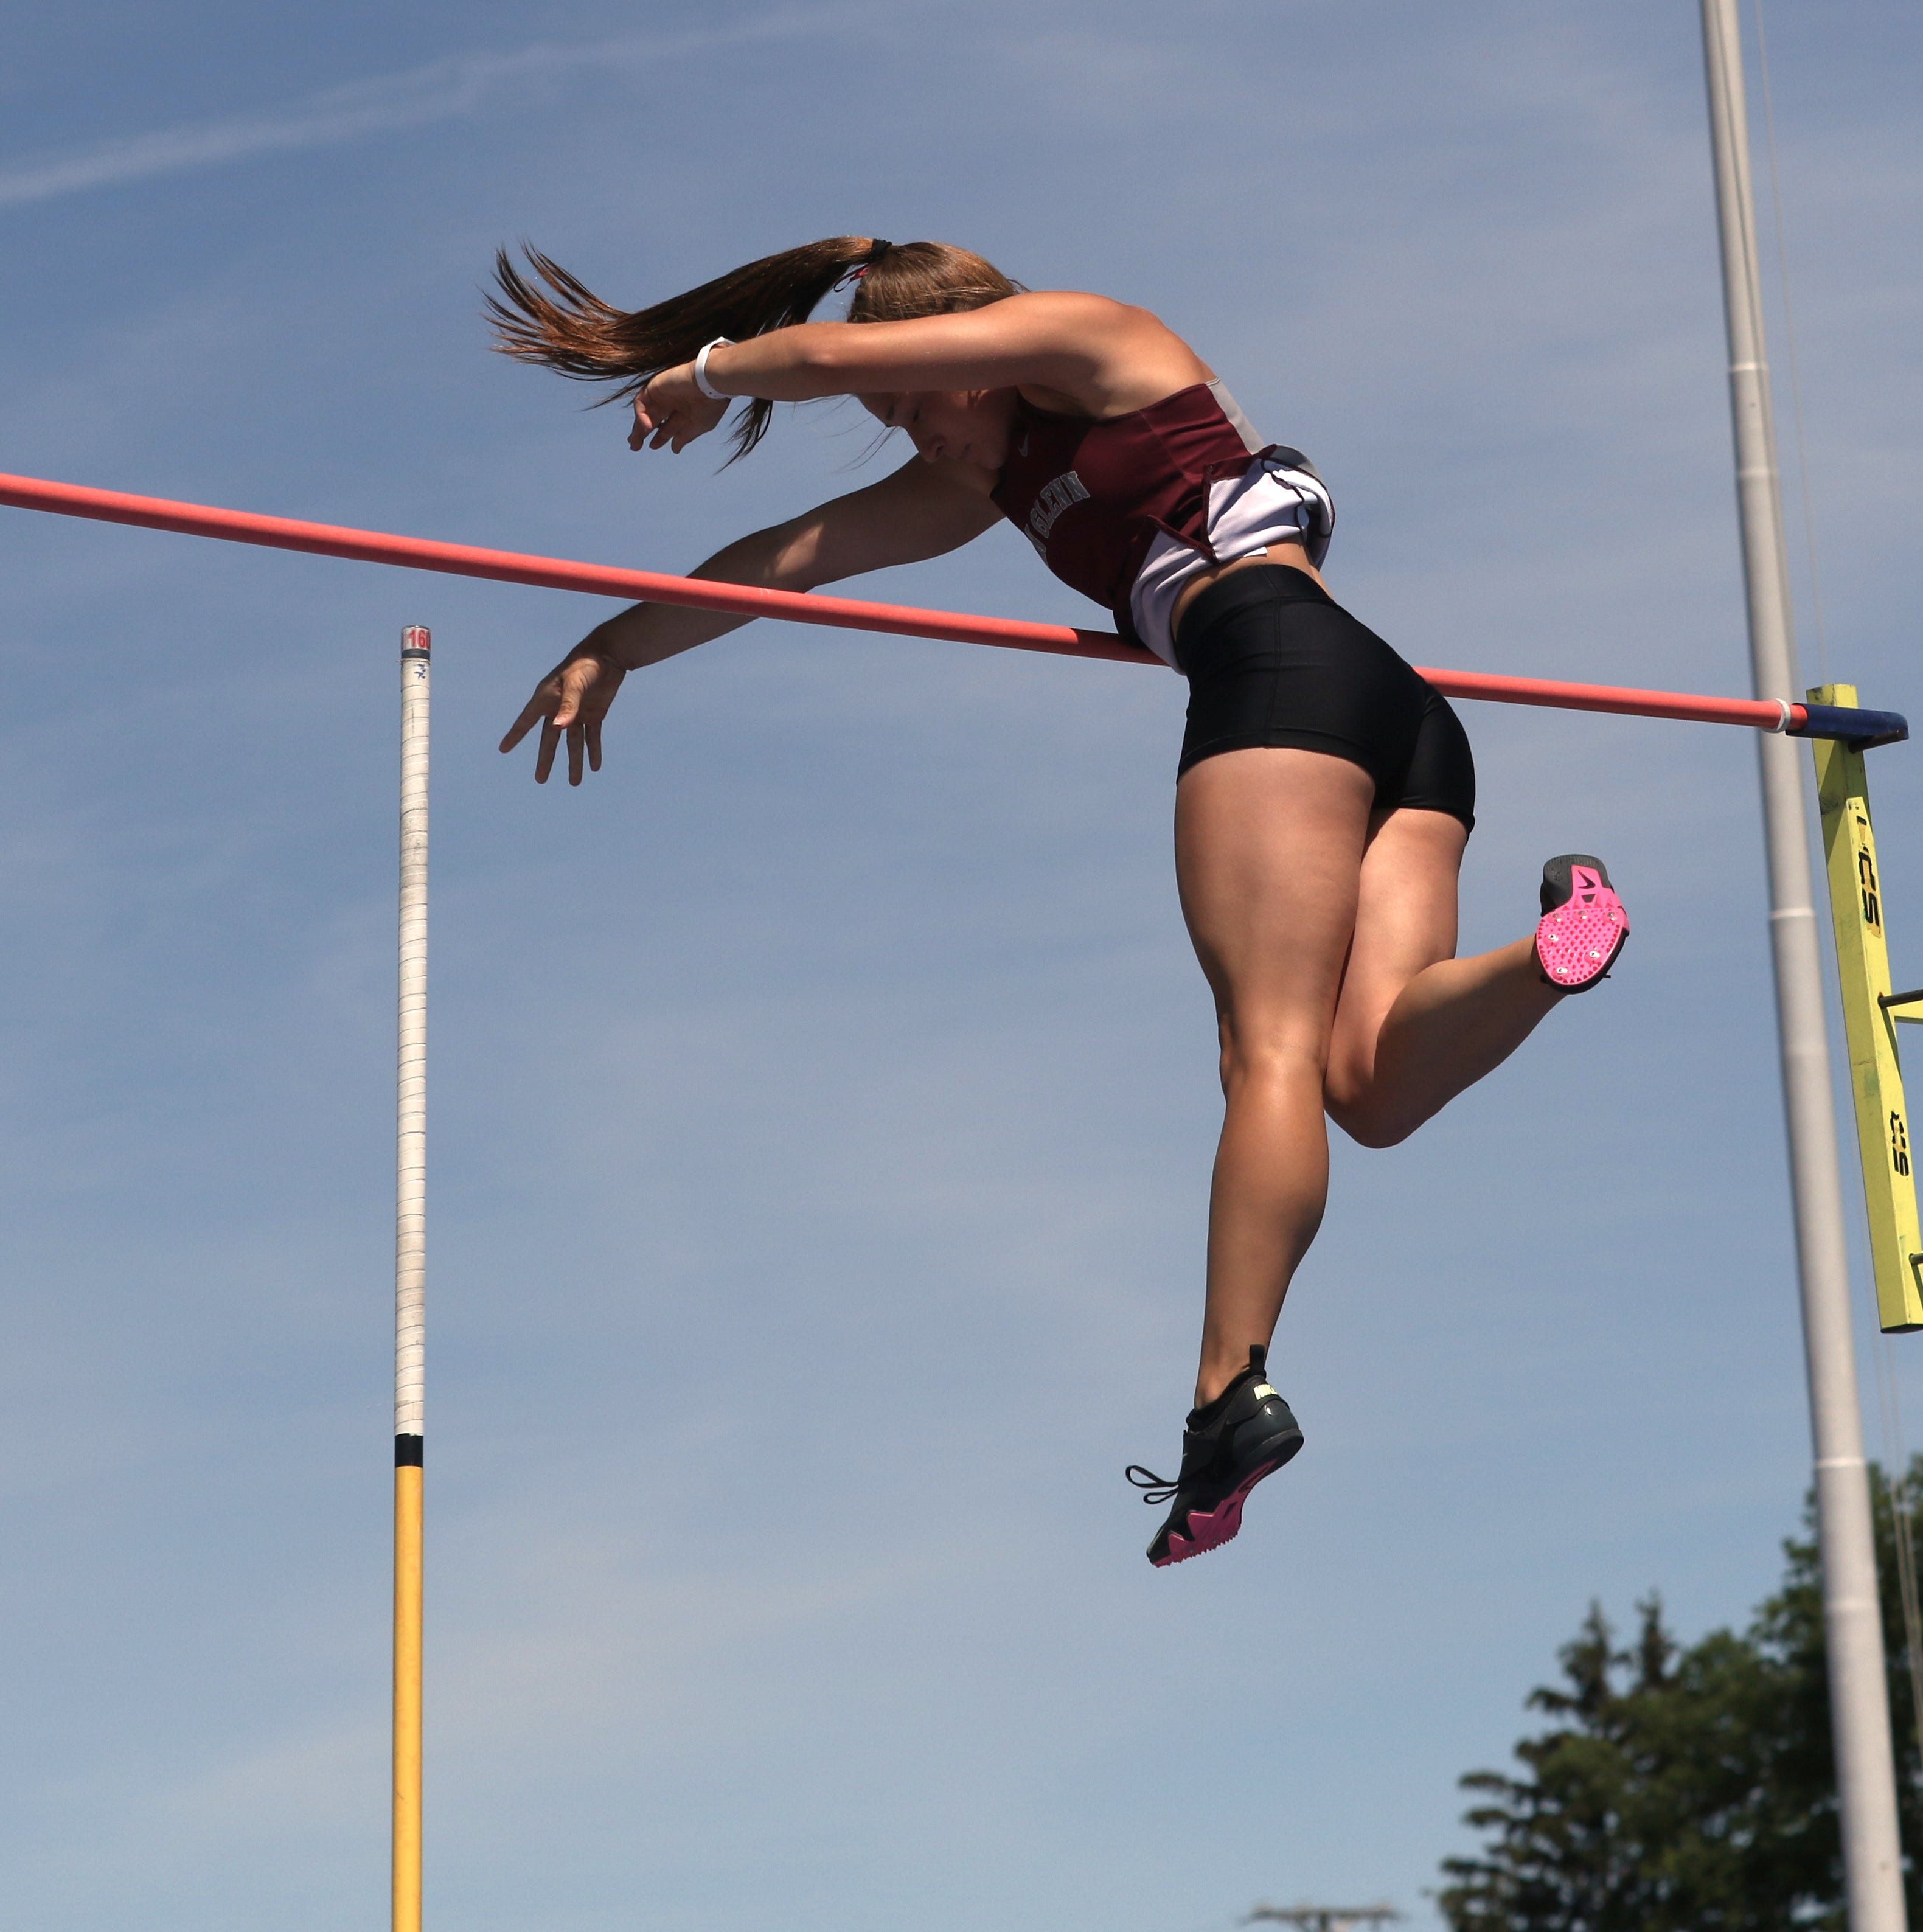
[
  {"x": 1405, "y": 920},
  {"x": 1269, "y": 844}
]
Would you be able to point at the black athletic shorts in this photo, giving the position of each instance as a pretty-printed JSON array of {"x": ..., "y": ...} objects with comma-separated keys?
[{"x": 1272, "y": 658}]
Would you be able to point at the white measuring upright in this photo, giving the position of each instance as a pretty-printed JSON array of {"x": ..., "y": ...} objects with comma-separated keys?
[{"x": 410, "y": 1217}]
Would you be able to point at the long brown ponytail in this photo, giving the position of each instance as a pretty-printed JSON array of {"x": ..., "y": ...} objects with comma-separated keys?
[{"x": 552, "y": 319}]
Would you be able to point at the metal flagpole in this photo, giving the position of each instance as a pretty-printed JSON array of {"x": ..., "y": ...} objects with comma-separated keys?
[
  {"x": 410, "y": 1269},
  {"x": 1852, "y": 1621}
]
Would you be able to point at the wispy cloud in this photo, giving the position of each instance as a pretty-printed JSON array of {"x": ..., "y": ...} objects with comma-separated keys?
[{"x": 442, "y": 90}]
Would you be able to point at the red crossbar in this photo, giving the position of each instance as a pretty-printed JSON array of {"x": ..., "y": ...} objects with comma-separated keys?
[{"x": 116, "y": 506}]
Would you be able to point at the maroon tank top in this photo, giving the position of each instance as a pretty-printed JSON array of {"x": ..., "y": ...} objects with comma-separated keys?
[{"x": 1092, "y": 497}]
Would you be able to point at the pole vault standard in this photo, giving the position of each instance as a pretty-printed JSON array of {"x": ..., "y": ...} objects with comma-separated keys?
[
  {"x": 1859, "y": 727},
  {"x": 410, "y": 1274}
]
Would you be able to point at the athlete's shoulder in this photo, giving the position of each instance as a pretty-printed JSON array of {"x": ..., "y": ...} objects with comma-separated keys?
[
  {"x": 1080, "y": 308},
  {"x": 1119, "y": 346}
]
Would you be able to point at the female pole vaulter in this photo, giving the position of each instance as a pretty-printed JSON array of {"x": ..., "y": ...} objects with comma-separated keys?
[{"x": 1324, "y": 792}]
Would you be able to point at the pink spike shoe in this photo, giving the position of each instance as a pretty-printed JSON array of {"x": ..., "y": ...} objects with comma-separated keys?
[{"x": 1583, "y": 925}]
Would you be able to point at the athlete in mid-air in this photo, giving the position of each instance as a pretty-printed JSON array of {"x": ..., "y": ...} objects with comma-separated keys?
[{"x": 1324, "y": 792}]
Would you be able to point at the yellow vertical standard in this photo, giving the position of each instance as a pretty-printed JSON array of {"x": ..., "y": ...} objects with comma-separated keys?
[
  {"x": 407, "y": 1697},
  {"x": 1869, "y": 1021}
]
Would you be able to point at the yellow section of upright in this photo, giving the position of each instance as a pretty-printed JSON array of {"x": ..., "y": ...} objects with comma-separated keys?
[
  {"x": 407, "y": 1699},
  {"x": 1875, "y": 1073}
]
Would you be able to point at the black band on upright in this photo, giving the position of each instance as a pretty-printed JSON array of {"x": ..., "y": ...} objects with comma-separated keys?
[{"x": 407, "y": 1452}]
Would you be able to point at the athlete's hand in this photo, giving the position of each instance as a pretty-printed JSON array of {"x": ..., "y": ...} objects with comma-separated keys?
[
  {"x": 672, "y": 412},
  {"x": 573, "y": 698}
]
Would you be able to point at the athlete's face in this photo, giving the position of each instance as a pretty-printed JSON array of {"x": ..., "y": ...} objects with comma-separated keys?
[{"x": 951, "y": 425}]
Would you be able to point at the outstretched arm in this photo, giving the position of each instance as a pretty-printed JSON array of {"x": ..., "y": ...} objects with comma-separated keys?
[
  {"x": 923, "y": 510},
  {"x": 1093, "y": 356}
]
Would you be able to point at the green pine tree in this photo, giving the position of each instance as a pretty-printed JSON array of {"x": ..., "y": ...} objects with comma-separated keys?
[{"x": 1688, "y": 1789}]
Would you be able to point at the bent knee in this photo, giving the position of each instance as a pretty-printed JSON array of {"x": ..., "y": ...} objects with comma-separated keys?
[{"x": 1371, "y": 1126}]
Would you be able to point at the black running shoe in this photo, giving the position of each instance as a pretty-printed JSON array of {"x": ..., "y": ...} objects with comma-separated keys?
[
  {"x": 1228, "y": 1447},
  {"x": 1583, "y": 925}
]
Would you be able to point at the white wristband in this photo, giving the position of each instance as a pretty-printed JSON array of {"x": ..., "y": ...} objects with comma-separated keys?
[{"x": 701, "y": 382}]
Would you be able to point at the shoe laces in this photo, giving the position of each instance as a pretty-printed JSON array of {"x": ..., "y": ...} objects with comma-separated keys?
[{"x": 1156, "y": 1490}]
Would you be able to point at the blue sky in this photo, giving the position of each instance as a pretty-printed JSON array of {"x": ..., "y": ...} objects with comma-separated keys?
[{"x": 822, "y": 1100}]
